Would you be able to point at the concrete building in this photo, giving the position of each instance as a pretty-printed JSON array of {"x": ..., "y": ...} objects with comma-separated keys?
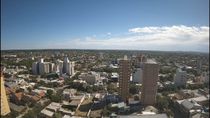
[
  {"x": 59, "y": 66},
  {"x": 124, "y": 77},
  {"x": 46, "y": 67},
  {"x": 205, "y": 77},
  {"x": 180, "y": 78},
  {"x": 35, "y": 69},
  {"x": 72, "y": 67},
  {"x": 68, "y": 66},
  {"x": 68, "y": 93},
  {"x": 114, "y": 77},
  {"x": 41, "y": 68},
  {"x": 51, "y": 67},
  {"x": 4, "y": 102},
  {"x": 137, "y": 75},
  {"x": 89, "y": 78},
  {"x": 149, "y": 85}
]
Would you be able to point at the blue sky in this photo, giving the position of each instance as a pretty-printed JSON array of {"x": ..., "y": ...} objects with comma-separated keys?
[{"x": 105, "y": 24}]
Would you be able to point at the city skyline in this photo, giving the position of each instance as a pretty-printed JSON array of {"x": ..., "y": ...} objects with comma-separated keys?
[{"x": 126, "y": 25}]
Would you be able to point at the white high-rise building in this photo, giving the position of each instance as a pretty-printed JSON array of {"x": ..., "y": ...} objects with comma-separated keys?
[
  {"x": 137, "y": 75},
  {"x": 41, "y": 60},
  {"x": 51, "y": 67},
  {"x": 46, "y": 67},
  {"x": 180, "y": 78},
  {"x": 41, "y": 68},
  {"x": 59, "y": 66},
  {"x": 68, "y": 66},
  {"x": 72, "y": 67}
]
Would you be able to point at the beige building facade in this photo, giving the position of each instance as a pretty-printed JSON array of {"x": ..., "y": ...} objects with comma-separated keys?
[
  {"x": 124, "y": 78},
  {"x": 4, "y": 102},
  {"x": 149, "y": 85}
]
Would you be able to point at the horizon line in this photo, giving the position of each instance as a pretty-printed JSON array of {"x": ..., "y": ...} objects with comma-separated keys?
[{"x": 103, "y": 50}]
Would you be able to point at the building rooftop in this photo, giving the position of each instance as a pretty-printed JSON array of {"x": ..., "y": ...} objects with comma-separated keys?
[
  {"x": 47, "y": 112},
  {"x": 151, "y": 61},
  {"x": 17, "y": 108},
  {"x": 66, "y": 116},
  {"x": 145, "y": 116},
  {"x": 74, "y": 102},
  {"x": 53, "y": 106},
  {"x": 190, "y": 104}
]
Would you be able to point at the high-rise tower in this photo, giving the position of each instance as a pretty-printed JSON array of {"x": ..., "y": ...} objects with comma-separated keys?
[
  {"x": 149, "y": 85},
  {"x": 124, "y": 77}
]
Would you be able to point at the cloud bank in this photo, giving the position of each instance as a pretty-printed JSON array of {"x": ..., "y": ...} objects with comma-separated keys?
[{"x": 166, "y": 38}]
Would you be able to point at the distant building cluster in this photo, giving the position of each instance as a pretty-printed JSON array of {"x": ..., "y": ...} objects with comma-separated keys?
[
  {"x": 61, "y": 67},
  {"x": 104, "y": 85}
]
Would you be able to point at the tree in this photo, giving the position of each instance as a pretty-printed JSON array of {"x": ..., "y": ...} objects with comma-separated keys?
[
  {"x": 58, "y": 115},
  {"x": 133, "y": 89},
  {"x": 162, "y": 103},
  {"x": 49, "y": 93},
  {"x": 56, "y": 98},
  {"x": 30, "y": 114},
  {"x": 111, "y": 88}
]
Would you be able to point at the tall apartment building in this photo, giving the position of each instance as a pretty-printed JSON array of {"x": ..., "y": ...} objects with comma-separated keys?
[
  {"x": 68, "y": 66},
  {"x": 59, "y": 66},
  {"x": 124, "y": 77},
  {"x": 4, "y": 102},
  {"x": 51, "y": 67},
  {"x": 72, "y": 67},
  {"x": 35, "y": 68},
  {"x": 149, "y": 85},
  {"x": 41, "y": 67},
  {"x": 180, "y": 78}
]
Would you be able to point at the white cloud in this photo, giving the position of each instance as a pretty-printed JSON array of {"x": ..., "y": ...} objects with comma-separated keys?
[
  {"x": 109, "y": 33},
  {"x": 167, "y": 38}
]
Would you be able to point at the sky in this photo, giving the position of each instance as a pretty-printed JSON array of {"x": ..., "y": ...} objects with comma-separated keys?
[{"x": 166, "y": 25}]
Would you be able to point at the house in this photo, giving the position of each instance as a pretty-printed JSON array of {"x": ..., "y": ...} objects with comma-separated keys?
[
  {"x": 90, "y": 78},
  {"x": 187, "y": 107},
  {"x": 17, "y": 108},
  {"x": 54, "y": 107},
  {"x": 17, "y": 98},
  {"x": 76, "y": 100},
  {"x": 68, "y": 93},
  {"x": 31, "y": 98},
  {"x": 47, "y": 113}
]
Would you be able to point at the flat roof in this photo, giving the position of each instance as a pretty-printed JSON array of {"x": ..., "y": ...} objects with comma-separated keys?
[
  {"x": 152, "y": 61},
  {"x": 74, "y": 102},
  {"x": 145, "y": 116},
  {"x": 47, "y": 112}
]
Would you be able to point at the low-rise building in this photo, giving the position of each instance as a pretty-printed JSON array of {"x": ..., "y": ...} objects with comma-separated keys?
[
  {"x": 187, "y": 107},
  {"x": 89, "y": 78},
  {"x": 68, "y": 93},
  {"x": 47, "y": 113}
]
